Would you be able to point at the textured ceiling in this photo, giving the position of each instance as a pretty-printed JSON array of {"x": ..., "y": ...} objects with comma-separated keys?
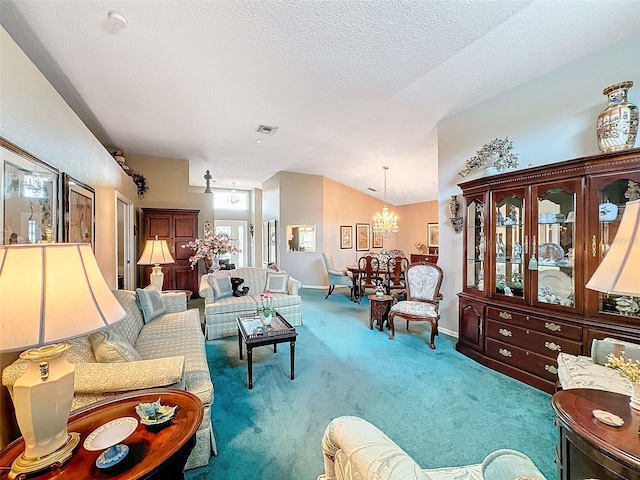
[{"x": 352, "y": 85}]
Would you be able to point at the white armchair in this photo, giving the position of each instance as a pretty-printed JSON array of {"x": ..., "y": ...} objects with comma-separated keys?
[
  {"x": 336, "y": 276},
  {"x": 354, "y": 449}
]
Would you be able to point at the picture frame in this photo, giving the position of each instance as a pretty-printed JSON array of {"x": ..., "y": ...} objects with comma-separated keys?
[
  {"x": 265, "y": 243},
  {"x": 346, "y": 236},
  {"x": 273, "y": 242},
  {"x": 363, "y": 237},
  {"x": 433, "y": 235},
  {"x": 30, "y": 203},
  {"x": 377, "y": 240},
  {"x": 207, "y": 227},
  {"x": 78, "y": 211}
]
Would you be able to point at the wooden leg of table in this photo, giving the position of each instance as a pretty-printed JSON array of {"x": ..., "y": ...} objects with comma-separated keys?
[
  {"x": 275, "y": 348},
  {"x": 240, "y": 344},
  {"x": 250, "y": 366},
  {"x": 293, "y": 359}
]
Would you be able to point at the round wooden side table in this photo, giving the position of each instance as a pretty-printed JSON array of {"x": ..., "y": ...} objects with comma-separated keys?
[
  {"x": 379, "y": 310},
  {"x": 154, "y": 452}
]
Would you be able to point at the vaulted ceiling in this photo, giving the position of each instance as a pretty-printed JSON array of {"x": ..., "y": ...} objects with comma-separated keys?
[{"x": 351, "y": 85}]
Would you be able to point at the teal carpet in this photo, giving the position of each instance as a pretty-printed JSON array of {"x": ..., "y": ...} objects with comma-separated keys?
[{"x": 442, "y": 408}]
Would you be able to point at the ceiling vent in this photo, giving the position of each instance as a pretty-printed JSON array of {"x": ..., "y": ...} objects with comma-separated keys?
[{"x": 266, "y": 129}]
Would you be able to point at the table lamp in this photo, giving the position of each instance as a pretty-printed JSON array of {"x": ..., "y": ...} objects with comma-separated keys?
[
  {"x": 49, "y": 293},
  {"x": 156, "y": 252},
  {"x": 618, "y": 270}
]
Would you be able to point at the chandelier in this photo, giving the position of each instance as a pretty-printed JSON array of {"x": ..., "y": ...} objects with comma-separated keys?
[
  {"x": 233, "y": 197},
  {"x": 385, "y": 223}
]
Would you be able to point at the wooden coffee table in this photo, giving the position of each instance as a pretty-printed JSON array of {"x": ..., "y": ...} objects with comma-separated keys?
[
  {"x": 154, "y": 452},
  {"x": 279, "y": 331}
]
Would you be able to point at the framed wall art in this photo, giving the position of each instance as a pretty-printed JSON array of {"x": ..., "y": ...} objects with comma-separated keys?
[
  {"x": 273, "y": 242},
  {"x": 79, "y": 211},
  {"x": 362, "y": 237},
  {"x": 29, "y": 207},
  {"x": 377, "y": 240},
  {"x": 346, "y": 236},
  {"x": 433, "y": 235},
  {"x": 207, "y": 227},
  {"x": 265, "y": 243}
]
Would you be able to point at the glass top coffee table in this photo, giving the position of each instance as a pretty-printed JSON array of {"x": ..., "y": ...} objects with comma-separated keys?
[{"x": 279, "y": 331}]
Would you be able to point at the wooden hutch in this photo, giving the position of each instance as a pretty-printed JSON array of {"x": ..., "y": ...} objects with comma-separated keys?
[{"x": 533, "y": 238}]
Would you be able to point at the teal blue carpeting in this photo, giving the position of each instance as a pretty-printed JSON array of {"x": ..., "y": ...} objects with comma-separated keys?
[{"x": 442, "y": 408}]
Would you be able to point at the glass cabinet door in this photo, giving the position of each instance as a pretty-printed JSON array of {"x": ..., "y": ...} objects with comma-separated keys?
[
  {"x": 557, "y": 213},
  {"x": 608, "y": 196},
  {"x": 476, "y": 245},
  {"x": 507, "y": 252}
]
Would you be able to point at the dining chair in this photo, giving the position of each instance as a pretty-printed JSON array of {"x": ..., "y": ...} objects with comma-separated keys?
[
  {"x": 369, "y": 276},
  {"x": 336, "y": 276},
  {"x": 395, "y": 283},
  {"x": 423, "y": 282}
]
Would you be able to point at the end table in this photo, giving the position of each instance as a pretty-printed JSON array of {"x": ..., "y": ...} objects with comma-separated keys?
[{"x": 379, "y": 310}]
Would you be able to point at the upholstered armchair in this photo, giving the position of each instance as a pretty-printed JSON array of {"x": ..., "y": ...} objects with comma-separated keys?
[
  {"x": 336, "y": 277},
  {"x": 423, "y": 282},
  {"x": 354, "y": 449}
]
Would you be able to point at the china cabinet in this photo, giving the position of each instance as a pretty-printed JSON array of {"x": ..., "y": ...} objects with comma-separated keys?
[{"x": 532, "y": 239}]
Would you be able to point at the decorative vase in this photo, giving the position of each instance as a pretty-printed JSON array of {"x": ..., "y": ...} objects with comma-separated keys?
[
  {"x": 607, "y": 212},
  {"x": 454, "y": 206},
  {"x": 266, "y": 319},
  {"x": 212, "y": 263},
  {"x": 491, "y": 170},
  {"x": 618, "y": 123},
  {"x": 635, "y": 395}
]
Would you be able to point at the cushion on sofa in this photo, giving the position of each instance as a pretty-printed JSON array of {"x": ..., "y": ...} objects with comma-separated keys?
[
  {"x": 600, "y": 350},
  {"x": 277, "y": 282},
  {"x": 150, "y": 302},
  {"x": 109, "y": 347},
  {"x": 580, "y": 372},
  {"x": 221, "y": 284}
]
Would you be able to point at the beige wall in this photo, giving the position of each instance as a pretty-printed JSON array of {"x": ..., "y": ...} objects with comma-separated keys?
[{"x": 413, "y": 220}]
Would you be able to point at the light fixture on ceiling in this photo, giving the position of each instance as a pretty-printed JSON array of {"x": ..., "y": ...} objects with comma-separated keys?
[
  {"x": 385, "y": 223},
  {"x": 207, "y": 178},
  {"x": 116, "y": 19},
  {"x": 233, "y": 198}
]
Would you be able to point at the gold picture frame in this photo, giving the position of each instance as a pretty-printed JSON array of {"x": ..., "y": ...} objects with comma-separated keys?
[{"x": 363, "y": 243}]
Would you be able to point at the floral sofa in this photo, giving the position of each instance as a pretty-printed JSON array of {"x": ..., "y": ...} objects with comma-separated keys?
[
  {"x": 221, "y": 309},
  {"x": 168, "y": 351},
  {"x": 354, "y": 449}
]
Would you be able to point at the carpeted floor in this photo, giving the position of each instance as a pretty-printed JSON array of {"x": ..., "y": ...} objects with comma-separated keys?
[{"x": 438, "y": 405}]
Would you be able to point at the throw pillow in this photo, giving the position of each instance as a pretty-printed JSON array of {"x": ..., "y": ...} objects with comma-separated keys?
[
  {"x": 277, "y": 282},
  {"x": 150, "y": 302},
  {"x": 600, "y": 350},
  {"x": 221, "y": 284},
  {"x": 238, "y": 289},
  {"x": 109, "y": 347}
]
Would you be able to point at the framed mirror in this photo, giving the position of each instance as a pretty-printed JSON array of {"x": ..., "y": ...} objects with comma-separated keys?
[
  {"x": 301, "y": 238},
  {"x": 29, "y": 207}
]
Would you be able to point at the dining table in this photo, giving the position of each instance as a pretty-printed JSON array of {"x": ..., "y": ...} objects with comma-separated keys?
[{"x": 356, "y": 271}]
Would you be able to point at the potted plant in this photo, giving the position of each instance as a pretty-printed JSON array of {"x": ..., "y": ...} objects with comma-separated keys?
[
  {"x": 631, "y": 370},
  {"x": 496, "y": 154},
  {"x": 209, "y": 247}
]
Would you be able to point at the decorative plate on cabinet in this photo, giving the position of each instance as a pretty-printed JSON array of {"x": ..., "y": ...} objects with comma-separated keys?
[
  {"x": 558, "y": 282},
  {"x": 550, "y": 253}
]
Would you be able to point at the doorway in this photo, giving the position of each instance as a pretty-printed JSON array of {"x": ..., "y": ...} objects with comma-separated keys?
[
  {"x": 237, "y": 230},
  {"x": 125, "y": 263}
]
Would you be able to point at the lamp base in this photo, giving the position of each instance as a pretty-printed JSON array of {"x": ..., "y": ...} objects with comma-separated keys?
[{"x": 23, "y": 466}]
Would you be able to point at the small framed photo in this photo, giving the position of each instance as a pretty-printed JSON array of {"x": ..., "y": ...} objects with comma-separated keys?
[
  {"x": 433, "y": 235},
  {"x": 207, "y": 227},
  {"x": 377, "y": 240},
  {"x": 79, "y": 211},
  {"x": 346, "y": 236},
  {"x": 362, "y": 237}
]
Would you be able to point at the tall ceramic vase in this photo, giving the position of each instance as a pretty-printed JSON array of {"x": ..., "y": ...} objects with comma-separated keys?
[
  {"x": 618, "y": 123},
  {"x": 212, "y": 263}
]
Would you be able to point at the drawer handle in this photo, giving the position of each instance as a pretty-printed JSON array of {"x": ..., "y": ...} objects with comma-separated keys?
[
  {"x": 505, "y": 315},
  {"x": 505, "y": 333},
  {"x": 553, "y": 346},
  {"x": 551, "y": 369},
  {"x": 504, "y": 352},
  {"x": 553, "y": 327}
]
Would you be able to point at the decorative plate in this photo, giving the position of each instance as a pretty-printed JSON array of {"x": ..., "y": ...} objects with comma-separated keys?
[
  {"x": 110, "y": 433},
  {"x": 550, "y": 253},
  {"x": 608, "y": 418},
  {"x": 558, "y": 282},
  {"x": 155, "y": 413}
]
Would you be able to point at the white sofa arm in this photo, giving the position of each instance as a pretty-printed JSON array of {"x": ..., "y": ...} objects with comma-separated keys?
[
  {"x": 205, "y": 290},
  {"x": 359, "y": 448},
  {"x": 174, "y": 302},
  {"x": 293, "y": 286}
]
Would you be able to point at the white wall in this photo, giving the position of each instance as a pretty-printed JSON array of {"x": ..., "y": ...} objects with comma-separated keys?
[{"x": 549, "y": 119}]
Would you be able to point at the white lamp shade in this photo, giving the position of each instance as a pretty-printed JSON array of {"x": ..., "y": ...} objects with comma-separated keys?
[
  {"x": 155, "y": 252},
  {"x": 618, "y": 271},
  {"x": 50, "y": 293}
]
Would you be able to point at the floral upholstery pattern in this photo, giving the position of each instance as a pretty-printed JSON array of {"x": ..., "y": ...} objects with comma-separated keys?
[
  {"x": 423, "y": 281},
  {"x": 221, "y": 313},
  {"x": 354, "y": 449},
  {"x": 580, "y": 372},
  {"x": 421, "y": 309}
]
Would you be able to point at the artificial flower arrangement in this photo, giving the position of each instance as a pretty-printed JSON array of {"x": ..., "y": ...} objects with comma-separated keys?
[
  {"x": 496, "y": 153},
  {"x": 626, "y": 368},
  {"x": 266, "y": 300},
  {"x": 210, "y": 246}
]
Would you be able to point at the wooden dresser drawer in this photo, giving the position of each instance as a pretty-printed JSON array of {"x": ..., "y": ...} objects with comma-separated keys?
[
  {"x": 540, "y": 365},
  {"x": 553, "y": 327},
  {"x": 548, "y": 345}
]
